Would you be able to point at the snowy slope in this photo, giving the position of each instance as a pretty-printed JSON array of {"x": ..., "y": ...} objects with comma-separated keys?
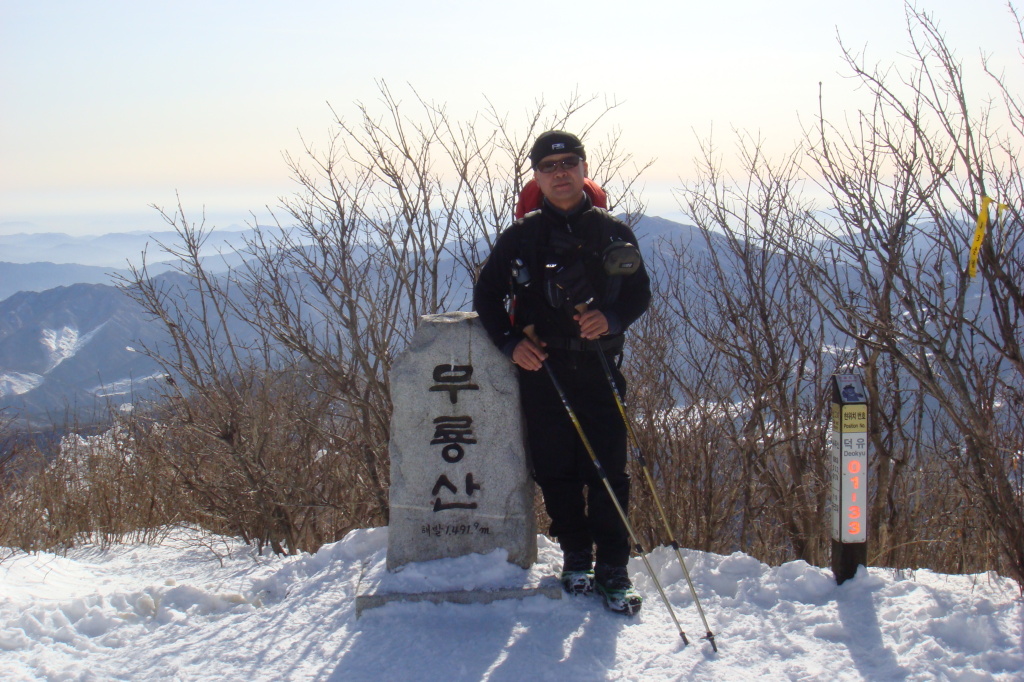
[
  {"x": 69, "y": 347},
  {"x": 58, "y": 345},
  {"x": 64, "y": 343},
  {"x": 16, "y": 383},
  {"x": 205, "y": 608}
]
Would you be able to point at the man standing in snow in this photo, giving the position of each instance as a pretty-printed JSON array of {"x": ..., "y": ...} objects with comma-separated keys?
[{"x": 572, "y": 301}]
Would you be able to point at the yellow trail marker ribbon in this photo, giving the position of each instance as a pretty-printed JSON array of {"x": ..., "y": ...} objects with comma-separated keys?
[{"x": 979, "y": 232}]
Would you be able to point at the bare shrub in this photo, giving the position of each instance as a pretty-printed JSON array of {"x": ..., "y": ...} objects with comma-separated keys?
[
  {"x": 84, "y": 488},
  {"x": 684, "y": 441},
  {"x": 754, "y": 348},
  {"x": 278, "y": 478}
]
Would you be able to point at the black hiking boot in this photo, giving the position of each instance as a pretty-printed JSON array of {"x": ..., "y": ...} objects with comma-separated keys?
[
  {"x": 577, "y": 575},
  {"x": 615, "y": 586}
]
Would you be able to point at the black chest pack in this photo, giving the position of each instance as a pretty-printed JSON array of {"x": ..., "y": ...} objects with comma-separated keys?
[{"x": 573, "y": 270}]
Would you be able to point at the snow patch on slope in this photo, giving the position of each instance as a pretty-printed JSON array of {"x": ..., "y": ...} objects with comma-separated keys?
[
  {"x": 124, "y": 386},
  {"x": 64, "y": 343},
  {"x": 16, "y": 383}
]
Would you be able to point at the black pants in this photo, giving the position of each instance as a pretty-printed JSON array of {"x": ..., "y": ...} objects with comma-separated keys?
[{"x": 582, "y": 515}]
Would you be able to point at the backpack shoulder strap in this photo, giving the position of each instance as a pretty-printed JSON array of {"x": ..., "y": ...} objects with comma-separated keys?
[{"x": 530, "y": 243}]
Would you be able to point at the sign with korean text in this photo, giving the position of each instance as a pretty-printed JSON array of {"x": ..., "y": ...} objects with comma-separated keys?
[
  {"x": 849, "y": 459},
  {"x": 459, "y": 481}
]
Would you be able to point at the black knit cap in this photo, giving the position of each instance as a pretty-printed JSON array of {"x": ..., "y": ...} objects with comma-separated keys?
[{"x": 556, "y": 142}]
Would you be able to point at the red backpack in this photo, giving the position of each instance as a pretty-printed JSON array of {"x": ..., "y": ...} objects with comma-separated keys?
[{"x": 530, "y": 196}]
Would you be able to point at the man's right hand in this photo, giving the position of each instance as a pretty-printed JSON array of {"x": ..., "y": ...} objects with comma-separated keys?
[{"x": 529, "y": 355}]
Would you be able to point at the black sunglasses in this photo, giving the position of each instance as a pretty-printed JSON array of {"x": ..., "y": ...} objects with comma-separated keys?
[{"x": 564, "y": 164}]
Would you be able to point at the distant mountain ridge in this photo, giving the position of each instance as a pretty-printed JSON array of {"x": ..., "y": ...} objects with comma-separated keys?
[
  {"x": 113, "y": 250},
  {"x": 41, "y": 261},
  {"x": 15, "y": 277}
]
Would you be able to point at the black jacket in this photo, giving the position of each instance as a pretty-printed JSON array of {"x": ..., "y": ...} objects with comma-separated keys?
[{"x": 547, "y": 241}]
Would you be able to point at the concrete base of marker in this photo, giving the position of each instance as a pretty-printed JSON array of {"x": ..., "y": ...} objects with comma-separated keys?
[{"x": 549, "y": 588}]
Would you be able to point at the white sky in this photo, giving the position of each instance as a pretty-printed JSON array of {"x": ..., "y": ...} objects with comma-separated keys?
[{"x": 108, "y": 106}]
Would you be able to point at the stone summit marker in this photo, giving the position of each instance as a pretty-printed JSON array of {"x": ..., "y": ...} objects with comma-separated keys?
[{"x": 459, "y": 480}]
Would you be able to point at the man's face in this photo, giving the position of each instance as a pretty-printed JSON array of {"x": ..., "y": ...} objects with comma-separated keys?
[{"x": 562, "y": 186}]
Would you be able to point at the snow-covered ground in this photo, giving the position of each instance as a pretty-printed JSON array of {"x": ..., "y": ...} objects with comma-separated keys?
[{"x": 198, "y": 607}]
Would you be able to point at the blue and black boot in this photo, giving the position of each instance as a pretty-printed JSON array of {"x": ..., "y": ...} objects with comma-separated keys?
[
  {"x": 577, "y": 573},
  {"x": 615, "y": 586}
]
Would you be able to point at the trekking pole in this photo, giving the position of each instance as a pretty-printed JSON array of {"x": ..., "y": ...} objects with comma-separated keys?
[
  {"x": 654, "y": 492},
  {"x": 611, "y": 493}
]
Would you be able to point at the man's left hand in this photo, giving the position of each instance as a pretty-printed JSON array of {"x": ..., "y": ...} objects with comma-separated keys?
[{"x": 593, "y": 324}]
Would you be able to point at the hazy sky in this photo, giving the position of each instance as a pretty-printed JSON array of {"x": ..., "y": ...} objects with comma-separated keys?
[{"x": 109, "y": 106}]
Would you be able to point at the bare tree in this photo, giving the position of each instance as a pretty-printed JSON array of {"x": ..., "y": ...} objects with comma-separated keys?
[
  {"x": 756, "y": 346},
  {"x": 906, "y": 183}
]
